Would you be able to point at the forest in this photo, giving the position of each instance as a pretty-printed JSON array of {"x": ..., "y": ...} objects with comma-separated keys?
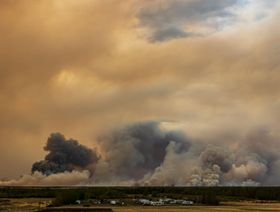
[{"x": 223, "y": 193}]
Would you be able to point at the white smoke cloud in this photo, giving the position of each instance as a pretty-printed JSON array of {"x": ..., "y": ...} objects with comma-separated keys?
[
  {"x": 147, "y": 154},
  {"x": 59, "y": 179}
]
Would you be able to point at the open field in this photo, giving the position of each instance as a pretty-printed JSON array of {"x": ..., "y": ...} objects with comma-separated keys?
[
  {"x": 32, "y": 205},
  {"x": 240, "y": 207},
  {"x": 23, "y": 204}
]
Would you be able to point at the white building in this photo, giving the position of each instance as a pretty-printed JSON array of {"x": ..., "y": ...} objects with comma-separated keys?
[
  {"x": 113, "y": 202},
  {"x": 157, "y": 203},
  {"x": 144, "y": 201}
]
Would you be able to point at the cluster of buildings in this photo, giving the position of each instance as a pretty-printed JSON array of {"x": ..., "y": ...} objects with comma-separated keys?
[
  {"x": 165, "y": 202},
  {"x": 146, "y": 202}
]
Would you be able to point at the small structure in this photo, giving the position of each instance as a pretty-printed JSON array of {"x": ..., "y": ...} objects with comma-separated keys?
[
  {"x": 156, "y": 203},
  {"x": 144, "y": 201},
  {"x": 187, "y": 202},
  {"x": 96, "y": 201},
  {"x": 113, "y": 202},
  {"x": 166, "y": 201},
  {"x": 181, "y": 202}
]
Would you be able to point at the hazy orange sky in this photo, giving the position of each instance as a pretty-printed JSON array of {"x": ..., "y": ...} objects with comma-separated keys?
[{"x": 81, "y": 67}]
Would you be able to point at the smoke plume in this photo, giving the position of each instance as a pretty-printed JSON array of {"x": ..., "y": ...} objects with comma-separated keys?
[
  {"x": 148, "y": 154},
  {"x": 65, "y": 155},
  {"x": 133, "y": 151},
  {"x": 59, "y": 179}
]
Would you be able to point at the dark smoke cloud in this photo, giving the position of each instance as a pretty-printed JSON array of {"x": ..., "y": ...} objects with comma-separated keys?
[
  {"x": 136, "y": 150},
  {"x": 147, "y": 153},
  {"x": 169, "y": 33},
  {"x": 216, "y": 156},
  {"x": 65, "y": 155},
  {"x": 167, "y": 19}
]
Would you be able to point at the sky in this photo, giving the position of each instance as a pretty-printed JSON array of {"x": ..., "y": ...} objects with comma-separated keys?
[{"x": 209, "y": 69}]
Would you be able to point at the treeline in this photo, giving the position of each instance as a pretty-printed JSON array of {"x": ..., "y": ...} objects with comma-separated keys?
[{"x": 257, "y": 193}]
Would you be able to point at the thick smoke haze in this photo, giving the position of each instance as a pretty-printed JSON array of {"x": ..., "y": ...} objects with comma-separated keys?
[
  {"x": 154, "y": 92},
  {"x": 59, "y": 179},
  {"x": 147, "y": 153},
  {"x": 136, "y": 150}
]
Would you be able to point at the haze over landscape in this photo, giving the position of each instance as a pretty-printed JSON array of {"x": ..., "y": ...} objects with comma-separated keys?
[{"x": 150, "y": 92}]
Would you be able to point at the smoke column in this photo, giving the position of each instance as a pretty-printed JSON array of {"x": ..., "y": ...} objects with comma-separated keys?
[
  {"x": 147, "y": 154},
  {"x": 136, "y": 150},
  {"x": 65, "y": 155}
]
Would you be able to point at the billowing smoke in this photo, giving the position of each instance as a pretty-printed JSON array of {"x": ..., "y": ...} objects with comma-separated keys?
[
  {"x": 216, "y": 156},
  {"x": 148, "y": 154},
  {"x": 136, "y": 150},
  {"x": 65, "y": 155},
  {"x": 250, "y": 160},
  {"x": 59, "y": 179}
]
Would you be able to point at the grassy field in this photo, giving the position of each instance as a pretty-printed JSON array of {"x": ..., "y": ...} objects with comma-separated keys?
[
  {"x": 228, "y": 207},
  {"x": 23, "y": 204},
  {"x": 33, "y": 204}
]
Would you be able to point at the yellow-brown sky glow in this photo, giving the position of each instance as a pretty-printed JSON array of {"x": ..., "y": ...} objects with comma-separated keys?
[{"x": 209, "y": 68}]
